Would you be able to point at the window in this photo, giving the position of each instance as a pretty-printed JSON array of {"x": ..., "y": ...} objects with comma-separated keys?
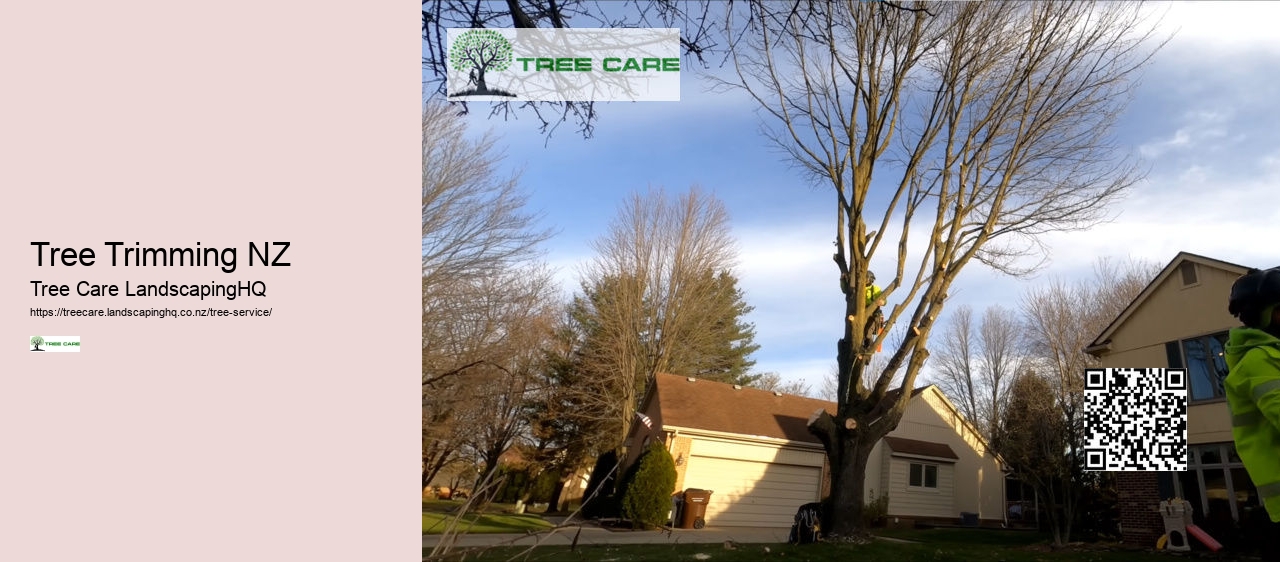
[
  {"x": 923, "y": 475},
  {"x": 1206, "y": 366},
  {"x": 1216, "y": 483}
]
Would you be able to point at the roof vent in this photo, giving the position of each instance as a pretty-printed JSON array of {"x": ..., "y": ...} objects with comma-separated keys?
[
  {"x": 737, "y": 387},
  {"x": 1189, "y": 277},
  {"x": 691, "y": 379},
  {"x": 776, "y": 393}
]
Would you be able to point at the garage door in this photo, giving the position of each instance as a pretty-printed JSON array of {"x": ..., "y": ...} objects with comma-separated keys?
[{"x": 752, "y": 493}]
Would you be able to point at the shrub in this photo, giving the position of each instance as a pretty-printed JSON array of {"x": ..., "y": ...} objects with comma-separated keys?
[
  {"x": 646, "y": 496},
  {"x": 876, "y": 512}
]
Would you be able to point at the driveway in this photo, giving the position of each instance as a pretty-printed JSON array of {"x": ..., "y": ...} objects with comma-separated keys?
[{"x": 589, "y": 533}]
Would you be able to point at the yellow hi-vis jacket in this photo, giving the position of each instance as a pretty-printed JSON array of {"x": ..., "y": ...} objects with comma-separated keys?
[
  {"x": 873, "y": 295},
  {"x": 1253, "y": 395}
]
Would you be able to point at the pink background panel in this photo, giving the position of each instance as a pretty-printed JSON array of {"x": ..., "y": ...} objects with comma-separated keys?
[{"x": 293, "y": 437}]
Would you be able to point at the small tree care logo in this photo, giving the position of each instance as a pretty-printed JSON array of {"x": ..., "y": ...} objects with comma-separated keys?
[
  {"x": 54, "y": 344},
  {"x": 479, "y": 51}
]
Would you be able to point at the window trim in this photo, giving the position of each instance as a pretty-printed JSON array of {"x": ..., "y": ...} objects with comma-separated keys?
[
  {"x": 924, "y": 476},
  {"x": 1219, "y": 394},
  {"x": 1201, "y": 504}
]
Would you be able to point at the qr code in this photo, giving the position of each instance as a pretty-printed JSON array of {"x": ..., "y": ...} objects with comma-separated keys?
[{"x": 1135, "y": 419}]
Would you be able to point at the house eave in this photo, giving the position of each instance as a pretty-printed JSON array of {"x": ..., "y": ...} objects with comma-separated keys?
[
  {"x": 1098, "y": 349},
  {"x": 923, "y": 457},
  {"x": 762, "y": 439}
]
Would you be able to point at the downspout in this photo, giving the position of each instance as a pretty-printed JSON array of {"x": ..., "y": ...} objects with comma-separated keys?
[{"x": 1004, "y": 497}]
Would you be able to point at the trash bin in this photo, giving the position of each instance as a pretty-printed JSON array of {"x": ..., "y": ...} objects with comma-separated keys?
[
  {"x": 677, "y": 502},
  {"x": 968, "y": 519},
  {"x": 694, "y": 510},
  {"x": 1176, "y": 514}
]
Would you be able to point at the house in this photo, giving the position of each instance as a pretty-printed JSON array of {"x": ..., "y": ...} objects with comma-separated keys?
[
  {"x": 753, "y": 449},
  {"x": 1180, "y": 320}
]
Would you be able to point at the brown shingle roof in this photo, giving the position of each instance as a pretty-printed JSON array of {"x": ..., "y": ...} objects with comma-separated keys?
[
  {"x": 922, "y": 448},
  {"x": 716, "y": 406}
]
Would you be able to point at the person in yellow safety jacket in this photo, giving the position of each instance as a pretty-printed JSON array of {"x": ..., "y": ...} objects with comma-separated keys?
[
  {"x": 874, "y": 302},
  {"x": 1252, "y": 387},
  {"x": 873, "y": 291}
]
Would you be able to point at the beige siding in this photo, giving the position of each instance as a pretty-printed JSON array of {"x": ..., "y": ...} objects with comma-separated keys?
[
  {"x": 980, "y": 481},
  {"x": 883, "y": 473},
  {"x": 1175, "y": 312},
  {"x": 875, "y": 482},
  {"x": 1152, "y": 355},
  {"x": 907, "y": 501},
  {"x": 1209, "y": 422}
]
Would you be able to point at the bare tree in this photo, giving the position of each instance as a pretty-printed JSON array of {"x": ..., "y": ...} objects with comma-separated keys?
[
  {"x": 983, "y": 124},
  {"x": 975, "y": 372},
  {"x": 653, "y": 292},
  {"x": 1002, "y": 360},
  {"x": 957, "y": 364},
  {"x": 1060, "y": 319},
  {"x": 473, "y": 221},
  {"x": 480, "y": 276},
  {"x": 773, "y": 382},
  {"x": 518, "y": 327}
]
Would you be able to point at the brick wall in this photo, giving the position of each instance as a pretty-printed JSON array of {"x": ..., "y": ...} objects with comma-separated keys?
[
  {"x": 680, "y": 453},
  {"x": 1139, "y": 497}
]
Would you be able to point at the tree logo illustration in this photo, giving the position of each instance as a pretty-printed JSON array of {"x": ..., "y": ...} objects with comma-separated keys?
[
  {"x": 36, "y": 342},
  {"x": 479, "y": 51}
]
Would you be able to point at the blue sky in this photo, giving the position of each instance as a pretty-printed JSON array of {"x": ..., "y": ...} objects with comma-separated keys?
[{"x": 1204, "y": 120}]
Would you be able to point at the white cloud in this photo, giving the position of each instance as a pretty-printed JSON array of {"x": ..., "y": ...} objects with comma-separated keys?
[
  {"x": 1199, "y": 127},
  {"x": 1214, "y": 28},
  {"x": 1153, "y": 149}
]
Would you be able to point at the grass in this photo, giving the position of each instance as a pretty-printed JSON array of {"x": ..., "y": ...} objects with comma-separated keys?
[
  {"x": 936, "y": 545},
  {"x": 495, "y": 518}
]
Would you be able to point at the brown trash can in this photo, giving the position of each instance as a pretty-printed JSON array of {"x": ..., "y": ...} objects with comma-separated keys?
[{"x": 693, "y": 512}]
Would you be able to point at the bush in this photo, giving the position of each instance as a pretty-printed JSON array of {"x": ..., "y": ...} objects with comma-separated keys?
[
  {"x": 646, "y": 496},
  {"x": 876, "y": 512},
  {"x": 520, "y": 481}
]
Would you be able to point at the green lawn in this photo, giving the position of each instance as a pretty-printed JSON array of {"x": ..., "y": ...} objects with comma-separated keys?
[
  {"x": 937, "y": 545},
  {"x": 496, "y": 518}
]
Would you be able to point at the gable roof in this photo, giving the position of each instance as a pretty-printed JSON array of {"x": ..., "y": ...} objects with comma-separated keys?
[
  {"x": 1098, "y": 344},
  {"x": 694, "y": 403},
  {"x": 920, "y": 448}
]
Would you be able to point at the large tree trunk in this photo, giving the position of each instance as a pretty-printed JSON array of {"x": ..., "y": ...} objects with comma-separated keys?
[
  {"x": 843, "y": 509},
  {"x": 553, "y": 505},
  {"x": 434, "y": 459},
  {"x": 850, "y": 434}
]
